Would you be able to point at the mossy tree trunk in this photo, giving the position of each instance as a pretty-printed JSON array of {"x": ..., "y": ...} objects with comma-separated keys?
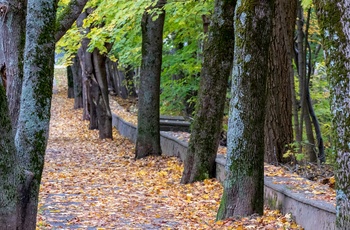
[
  {"x": 148, "y": 128},
  {"x": 12, "y": 38},
  {"x": 30, "y": 73},
  {"x": 278, "y": 122},
  {"x": 243, "y": 187},
  {"x": 216, "y": 69},
  {"x": 33, "y": 122},
  {"x": 334, "y": 18},
  {"x": 8, "y": 173}
]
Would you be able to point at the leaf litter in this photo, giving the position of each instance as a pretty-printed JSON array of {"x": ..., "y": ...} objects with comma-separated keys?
[
  {"x": 315, "y": 182},
  {"x": 89, "y": 183}
]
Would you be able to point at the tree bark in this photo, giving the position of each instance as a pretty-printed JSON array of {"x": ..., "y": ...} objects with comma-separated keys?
[
  {"x": 86, "y": 70},
  {"x": 78, "y": 83},
  {"x": 27, "y": 47},
  {"x": 301, "y": 65},
  {"x": 148, "y": 128},
  {"x": 103, "y": 111},
  {"x": 70, "y": 80},
  {"x": 12, "y": 38},
  {"x": 33, "y": 123},
  {"x": 334, "y": 17},
  {"x": 278, "y": 122},
  {"x": 244, "y": 184},
  {"x": 118, "y": 77},
  {"x": 129, "y": 78},
  {"x": 8, "y": 168},
  {"x": 68, "y": 16},
  {"x": 206, "y": 127}
]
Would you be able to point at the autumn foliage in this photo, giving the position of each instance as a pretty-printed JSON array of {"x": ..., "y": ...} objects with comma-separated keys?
[{"x": 88, "y": 182}]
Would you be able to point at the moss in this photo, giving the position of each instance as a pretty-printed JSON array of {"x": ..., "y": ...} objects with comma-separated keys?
[
  {"x": 222, "y": 208},
  {"x": 273, "y": 203},
  {"x": 331, "y": 19}
]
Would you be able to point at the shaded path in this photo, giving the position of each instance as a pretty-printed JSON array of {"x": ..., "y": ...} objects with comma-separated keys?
[{"x": 90, "y": 183}]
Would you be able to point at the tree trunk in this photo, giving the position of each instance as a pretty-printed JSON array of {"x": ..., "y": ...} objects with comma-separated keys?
[
  {"x": 8, "y": 169},
  {"x": 244, "y": 184},
  {"x": 70, "y": 80},
  {"x": 120, "y": 79},
  {"x": 13, "y": 26},
  {"x": 334, "y": 17},
  {"x": 33, "y": 123},
  {"x": 85, "y": 83},
  {"x": 278, "y": 122},
  {"x": 86, "y": 70},
  {"x": 129, "y": 78},
  {"x": 12, "y": 34},
  {"x": 206, "y": 127},
  {"x": 78, "y": 83},
  {"x": 295, "y": 103},
  {"x": 110, "y": 77},
  {"x": 301, "y": 65},
  {"x": 27, "y": 59},
  {"x": 68, "y": 16},
  {"x": 148, "y": 134},
  {"x": 103, "y": 110}
]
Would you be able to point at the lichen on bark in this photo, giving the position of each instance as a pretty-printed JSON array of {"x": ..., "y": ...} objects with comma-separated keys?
[
  {"x": 8, "y": 169},
  {"x": 215, "y": 72},
  {"x": 243, "y": 185},
  {"x": 33, "y": 123},
  {"x": 334, "y": 20}
]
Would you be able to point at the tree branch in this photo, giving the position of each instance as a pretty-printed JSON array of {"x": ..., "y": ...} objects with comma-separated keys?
[{"x": 66, "y": 19}]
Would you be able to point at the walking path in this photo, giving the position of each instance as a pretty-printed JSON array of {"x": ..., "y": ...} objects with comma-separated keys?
[{"x": 89, "y": 183}]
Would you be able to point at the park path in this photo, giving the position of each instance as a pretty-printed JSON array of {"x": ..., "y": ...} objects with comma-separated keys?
[{"x": 89, "y": 183}]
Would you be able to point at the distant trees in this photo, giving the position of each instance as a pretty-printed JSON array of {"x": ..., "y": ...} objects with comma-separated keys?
[
  {"x": 244, "y": 183},
  {"x": 216, "y": 69},
  {"x": 334, "y": 18}
]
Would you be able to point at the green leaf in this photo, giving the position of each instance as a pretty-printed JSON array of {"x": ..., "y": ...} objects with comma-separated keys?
[{"x": 306, "y": 3}]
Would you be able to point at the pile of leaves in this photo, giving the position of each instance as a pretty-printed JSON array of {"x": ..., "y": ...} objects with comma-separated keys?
[{"x": 93, "y": 183}]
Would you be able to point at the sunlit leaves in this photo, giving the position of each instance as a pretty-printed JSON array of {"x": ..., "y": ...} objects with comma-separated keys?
[
  {"x": 306, "y": 3},
  {"x": 69, "y": 44}
]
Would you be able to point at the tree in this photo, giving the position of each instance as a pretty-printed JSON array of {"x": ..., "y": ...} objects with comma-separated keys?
[
  {"x": 217, "y": 65},
  {"x": 99, "y": 93},
  {"x": 244, "y": 183},
  {"x": 11, "y": 57},
  {"x": 12, "y": 44},
  {"x": 334, "y": 17},
  {"x": 278, "y": 122},
  {"x": 23, "y": 141},
  {"x": 305, "y": 63},
  {"x": 148, "y": 128},
  {"x": 77, "y": 83},
  {"x": 70, "y": 81}
]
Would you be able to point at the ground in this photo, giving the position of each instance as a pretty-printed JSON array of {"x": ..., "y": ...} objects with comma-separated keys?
[{"x": 96, "y": 184}]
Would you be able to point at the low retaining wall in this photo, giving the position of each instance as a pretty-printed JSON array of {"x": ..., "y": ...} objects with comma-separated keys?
[{"x": 310, "y": 214}]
